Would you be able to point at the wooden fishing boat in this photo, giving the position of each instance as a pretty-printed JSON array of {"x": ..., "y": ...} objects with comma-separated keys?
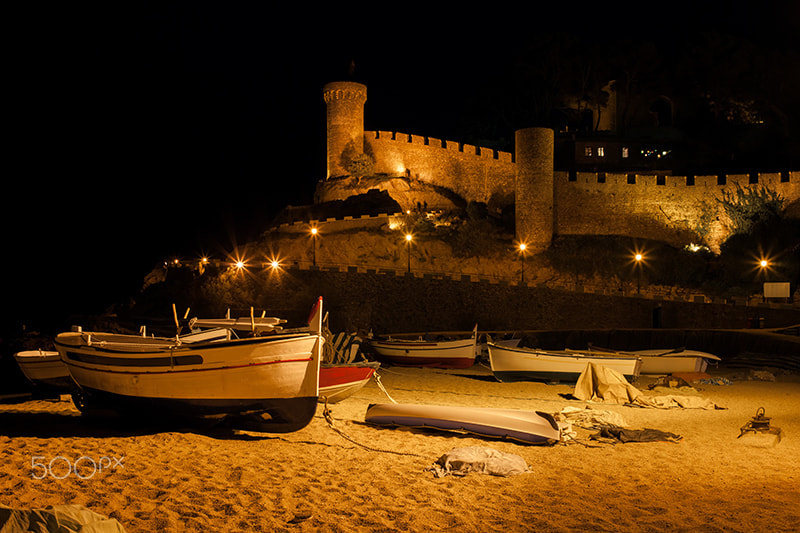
[
  {"x": 667, "y": 361},
  {"x": 344, "y": 370},
  {"x": 272, "y": 380},
  {"x": 45, "y": 370},
  {"x": 527, "y": 364},
  {"x": 526, "y": 426},
  {"x": 342, "y": 380},
  {"x": 422, "y": 352}
]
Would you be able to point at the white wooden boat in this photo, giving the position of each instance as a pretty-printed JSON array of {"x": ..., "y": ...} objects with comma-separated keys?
[
  {"x": 45, "y": 370},
  {"x": 459, "y": 353},
  {"x": 527, "y": 364},
  {"x": 273, "y": 379},
  {"x": 526, "y": 426},
  {"x": 668, "y": 361},
  {"x": 671, "y": 361}
]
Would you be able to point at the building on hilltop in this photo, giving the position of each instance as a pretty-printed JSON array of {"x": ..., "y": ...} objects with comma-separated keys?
[{"x": 583, "y": 195}]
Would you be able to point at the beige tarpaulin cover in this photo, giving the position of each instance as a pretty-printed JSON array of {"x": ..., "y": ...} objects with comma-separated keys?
[{"x": 600, "y": 384}]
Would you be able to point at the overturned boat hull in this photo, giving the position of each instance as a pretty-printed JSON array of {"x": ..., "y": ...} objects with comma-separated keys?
[{"x": 525, "y": 426}]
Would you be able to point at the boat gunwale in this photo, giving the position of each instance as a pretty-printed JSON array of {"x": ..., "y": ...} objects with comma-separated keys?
[
  {"x": 172, "y": 346},
  {"x": 566, "y": 354}
]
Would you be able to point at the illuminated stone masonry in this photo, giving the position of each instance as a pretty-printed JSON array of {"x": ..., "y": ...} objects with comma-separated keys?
[{"x": 414, "y": 170}]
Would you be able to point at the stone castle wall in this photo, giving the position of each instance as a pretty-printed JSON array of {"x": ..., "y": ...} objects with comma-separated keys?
[
  {"x": 472, "y": 172},
  {"x": 668, "y": 208}
]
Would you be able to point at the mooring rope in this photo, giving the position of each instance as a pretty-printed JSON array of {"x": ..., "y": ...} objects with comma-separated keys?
[
  {"x": 381, "y": 387},
  {"x": 329, "y": 419}
]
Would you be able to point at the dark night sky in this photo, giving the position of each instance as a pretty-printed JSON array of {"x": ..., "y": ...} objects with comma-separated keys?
[{"x": 145, "y": 129}]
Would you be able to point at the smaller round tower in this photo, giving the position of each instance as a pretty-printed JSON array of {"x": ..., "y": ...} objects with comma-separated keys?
[
  {"x": 535, "y": 192},
  {"x": 345, "y": 106}
]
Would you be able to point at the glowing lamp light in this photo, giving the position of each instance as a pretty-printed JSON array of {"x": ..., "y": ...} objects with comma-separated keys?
[
  {"x": 275, "y": 264},
  {"x": 523, "y": 247},
  {"x": 409, "y": 237},
  {"x": 638, "y": 257},
  {"x": 764, "y": 263},
  {"x": 314, "y": 231},
  {"x": 239, "y": 264}
]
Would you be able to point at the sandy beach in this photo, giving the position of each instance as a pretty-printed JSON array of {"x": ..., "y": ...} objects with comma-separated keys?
[{"x": 365, "y": 478}]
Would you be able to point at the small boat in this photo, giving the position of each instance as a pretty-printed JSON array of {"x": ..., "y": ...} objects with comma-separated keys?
[
  {"x": 268, "y": 382},
  {"x": 527, "y": 364},
  {"x": 423, "y": 352},
  {"x": 344, "y": 370},
  {"x": 342, "y": 380},
  {"x": 531, "y": 427},
  {"x": 666, "y": 361},
  {"x": 45, "y": 370}
]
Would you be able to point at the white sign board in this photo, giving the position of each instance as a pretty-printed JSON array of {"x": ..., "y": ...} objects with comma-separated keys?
[{"x": 775, "y": 289}]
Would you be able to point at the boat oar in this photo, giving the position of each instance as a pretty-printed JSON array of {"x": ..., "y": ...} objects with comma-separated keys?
[{"x": 177, "y": 323}]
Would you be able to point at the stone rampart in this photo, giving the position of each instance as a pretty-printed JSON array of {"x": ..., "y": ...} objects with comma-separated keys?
[
  {"x": 472, "y": 172},
  {"x": 669, "y": 208}
]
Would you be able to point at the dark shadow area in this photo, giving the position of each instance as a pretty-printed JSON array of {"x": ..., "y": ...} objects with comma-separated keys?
[
  {"x": 54, "y": 425},
  {"x": 450, "y": 434},
  {"x": 475, "y": 377}
]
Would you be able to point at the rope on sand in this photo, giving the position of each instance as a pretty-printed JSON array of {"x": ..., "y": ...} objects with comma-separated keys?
[
  {"x": 381, "y": 387},
  {"x": 329, "y": 419}
]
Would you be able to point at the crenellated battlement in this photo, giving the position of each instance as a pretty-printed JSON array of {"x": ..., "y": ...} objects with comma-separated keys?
[
  {"x": 433, "y": 142},
  {"x": 772, "y": 180}
]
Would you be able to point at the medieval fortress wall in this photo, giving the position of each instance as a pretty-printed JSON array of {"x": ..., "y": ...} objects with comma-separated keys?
[{"x": 548, "y": 201}]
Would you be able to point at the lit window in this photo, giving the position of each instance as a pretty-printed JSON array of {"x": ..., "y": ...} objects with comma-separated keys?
[
  {"x": 625, "y": 152},
  {"x": 601, "y": 152},
  {"x": 587, "y": 151}
]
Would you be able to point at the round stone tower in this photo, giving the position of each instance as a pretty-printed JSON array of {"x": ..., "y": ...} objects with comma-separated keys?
[
  {"x": 535, "y": 190},
  {"x": 345, "y": 104}
]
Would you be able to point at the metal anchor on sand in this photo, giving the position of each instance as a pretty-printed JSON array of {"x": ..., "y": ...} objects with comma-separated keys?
[{"x": 760, "y": 424}]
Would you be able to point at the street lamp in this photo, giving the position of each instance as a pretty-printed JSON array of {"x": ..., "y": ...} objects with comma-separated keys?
[
  {"x": 763, "y": 270},
  {"x": 409, "y": 238},
  {"x": 522, "y": 248},
  {"x": 314, "y": 232},
  {"x": 638, "y": 258}
]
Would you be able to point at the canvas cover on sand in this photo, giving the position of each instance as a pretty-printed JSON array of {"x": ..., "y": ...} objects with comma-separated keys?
[
  {"x": 56, "y": 519},
  {"x": 462, "y": 461},
  {"x": 600, "y": 384}
]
